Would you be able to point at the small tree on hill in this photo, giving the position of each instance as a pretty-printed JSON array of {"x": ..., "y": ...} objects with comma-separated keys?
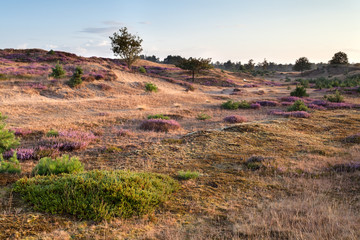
[
  {"x": 126, "y": 46},
  {"x": 195, "y": 65},
  {"x": 7, "y": 139},
  {"x": 57, "y": 71},
  {"x": 76, "y": 77},
  {"x": 339, "y": 58},
  {"x": 302, "y": 64}
]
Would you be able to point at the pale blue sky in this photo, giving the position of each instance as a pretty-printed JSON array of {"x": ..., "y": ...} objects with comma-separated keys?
[{"x": 278, "y": 30}]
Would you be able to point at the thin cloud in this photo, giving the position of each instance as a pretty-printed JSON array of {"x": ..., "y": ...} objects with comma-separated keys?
[
  {"x": 99, "y": 30},
  {"x": 113, "y": 23},
  {"x": 144, "y": 23}
]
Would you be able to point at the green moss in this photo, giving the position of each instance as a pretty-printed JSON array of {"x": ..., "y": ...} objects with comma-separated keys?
[
  {"x": 64, "y": 164},
  {"x": 97, "y": 195},
  {"x": 186, "y": 175},
  {"x": 203, "y": 116},
  {"x": 158, "y": 116},
  {"x": 52, "y": 133},
  {"x": 150, "y": 87}
]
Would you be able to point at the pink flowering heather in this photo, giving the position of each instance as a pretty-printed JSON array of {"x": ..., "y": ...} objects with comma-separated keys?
[
  {"x": 159, "y": 125},
  {"x": 255, "y": 106},
  {"x": 335, "y": 105},
  {"x": 286, "y": 103},
  {"x": 21, "y": 153},
  {"x": 20, "y": 132},
  {"x": 319, "y": 102},
  {"x": 121, "y": 132},
  {"x": 235, "y": 119},
  {"x": 316, "y": 107},
  {"x": 289, "y": 99},
  {"x": 297, "y": 114}
]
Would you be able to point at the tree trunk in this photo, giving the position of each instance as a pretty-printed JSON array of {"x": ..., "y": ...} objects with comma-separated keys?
[{"x": 193, "y": 76}]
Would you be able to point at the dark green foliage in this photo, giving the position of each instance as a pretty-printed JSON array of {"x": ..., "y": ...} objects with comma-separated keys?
[
  {"x": 97, "y": 195},
  {"x": 337, "y": 97},
  {"x": 186, "y": 175},
  {"x": 339, "y": 58},
  {"x": 7, "y": 139},
  {"x": 57, "y": 71},
  {"x": 126, "y": 46},
  {"x": 230, "y": 105},
  {"x": 195, "y": 65},
  {"x": 142, "y": 70},
  {"x": 299, "y": 91},
  {"x": 173, "y": 59},
  {"x": 11, "y": 165},
  {"x": 203, "y": 116},
  {"x": 303, "y": 82},
  {"x": 76, "y": 80},
  {"x": 158, "y": 116},
  {"x": 302, "y": 64},
  {"x": 150, "y": 87},
  {"x": 51, "y": 52},
  {"x": 64, "y": 164},
  {"x": 322, "y": 82},
  {"x": 298, "y": 106},
  {"x": 52, "y": 133}
]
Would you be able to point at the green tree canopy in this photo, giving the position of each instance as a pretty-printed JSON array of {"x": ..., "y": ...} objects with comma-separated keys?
[
  {"x": 302, "y": 64},
  {"x": 195, "y": 65},
  {"x": 339, "y": 58},
  {"x": 126, "y": 46}
]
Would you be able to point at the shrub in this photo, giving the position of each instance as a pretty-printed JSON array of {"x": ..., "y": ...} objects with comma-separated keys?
[
  {"x": 159, "y": 125},
  {"x": 52, "y": 133},
  {"x": 76, "y": 80},
  {"x": 57, "y": 71},
  {"x": 20, "y": 132},
  {"x": 235, "y": 119},
  {"x": 191, "y": 88},
  {"x": 297, "y": 114},
  {"x": 11, "y": 165},
  {"x": 203, "y": 116},
  {"x": 97, "y": 195},
  {"x": 244, "y": 104},
  {"x": 64, "y": 164},
  {"x": 230, "y": 105},
  {"x": 337, "y": 97},
  {"x": 150, "y": 87},
  {"x": 104, "y": 87},
  {"x": 267, "y": 103},
  {"x": 186, "y": 175},
  {"x": 42, "y": 152},
  {"x": 299, "y": 91},
  {"x": 353, "y": 138},
  {"x": 298, "y": 106},
  {"x": 142, "y": 70},
  {"x": 7, "y": 138},
  {"x": 158, "y": 116},
  {"x": 112, "y": 149},
  {"x": 255, "y": 106},
  {"x": 21, "y": 153}
]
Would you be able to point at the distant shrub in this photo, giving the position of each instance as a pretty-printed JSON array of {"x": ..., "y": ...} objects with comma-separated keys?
[
  {"x": 52, "y": 133},
  {"x": 57, "y": 71},
  {"x": 88, "y": 78},
  {"x": 255, "y": 106},
  {"x": 186, "y": 175},
  {"x": 347, "y": 167},
  {"x": 42, "y": 152},
  {"x": 104, "y": 87},
  {"x": 337, "y": 97},
  {"x": 299, "y": 91},
  {"x": 21, "y": 153},
  {"x": 122, "y": 132},
  {"x": 51, "y": 52},
  {"x": 231, "y": 105},
  {"x": 353, "y": 138},
  {"x": 267, "y": 103},
  {"x": 287, "y": 79},
  {"x": 11, "y": 165},
  {"x": 235, "y": 119},
  {"x": 158, "y": 116},
  {"x": 159, "y": 125},
  {"x": 7, "y": 138},
  {"x": 76, "y": 80},
  {"x": 142, "y": 70},
  {"x": 64, "y": 164},
  {"x": 150, "y": 87},
  {"x": 298, "y": 106},
  {"x": 203, "y": 116},
  {"x": 296, "y": 114},
  {"x": 244, "y": 104},
  {"x": 20, "y": 132},
  {"x": 97, "y": 195},
  {"x": 190, "y": 88}
]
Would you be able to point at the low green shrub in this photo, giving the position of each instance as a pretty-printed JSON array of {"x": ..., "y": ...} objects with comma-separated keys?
[
  {"x": 11, "y": 165},
  {"x": 76, "y": 80},
  {"x": 337, "y": 97},
  {"x": 300, "y": 91},
  {"x": 57, "y": 71},
  {"x": 64, "y": 164},
  {"x": 142, "y": 70},
  {"x": 52, "y": 133},
  {"x": 203, "y": 116},
  {"x": 150, "y": 87},
  {"x": 298, "y": 106},
  {"x": 244, "y": 104},
  {"x": 230, "y": 105},
  {"x": 7, "y": 138},
  {"x": 97, "y": 194},
  {"x": 158, "y": 116},
  {"x": 186, "y": 175}
]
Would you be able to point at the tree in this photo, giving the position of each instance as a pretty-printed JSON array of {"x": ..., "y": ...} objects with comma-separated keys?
[
  {"x": 195, "y": 65},
  {"x": 339, "y": 58},
  {"x": 76, "y": 77},
  {"x": 250, "y": 65},
  {"x": 302, "y": 64},
  {"x": 173, "y": 59},
  {"x": 126, "y": 46},
  {"x": 7, "y": 139}
]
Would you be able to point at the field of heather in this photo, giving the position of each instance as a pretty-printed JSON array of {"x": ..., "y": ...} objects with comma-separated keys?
[{"x": 151, "y": 153}]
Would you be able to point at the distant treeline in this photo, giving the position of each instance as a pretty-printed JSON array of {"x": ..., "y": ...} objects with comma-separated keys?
[{"x": 236, "y": 66}]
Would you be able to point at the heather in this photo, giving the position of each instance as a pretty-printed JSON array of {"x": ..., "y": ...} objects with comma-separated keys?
[
  {"x": 97, "y": 194},
  {"x": 235, "y": 119},
  {"x": 159, "y": 125}
]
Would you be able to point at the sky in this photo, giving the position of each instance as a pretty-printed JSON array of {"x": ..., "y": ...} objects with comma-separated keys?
[{"x": 279, "y": 30}]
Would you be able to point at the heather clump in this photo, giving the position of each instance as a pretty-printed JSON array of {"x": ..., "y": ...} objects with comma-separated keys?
[
  {"x": 235, "y": 119},
  {"x": 159, "y": 125}
]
